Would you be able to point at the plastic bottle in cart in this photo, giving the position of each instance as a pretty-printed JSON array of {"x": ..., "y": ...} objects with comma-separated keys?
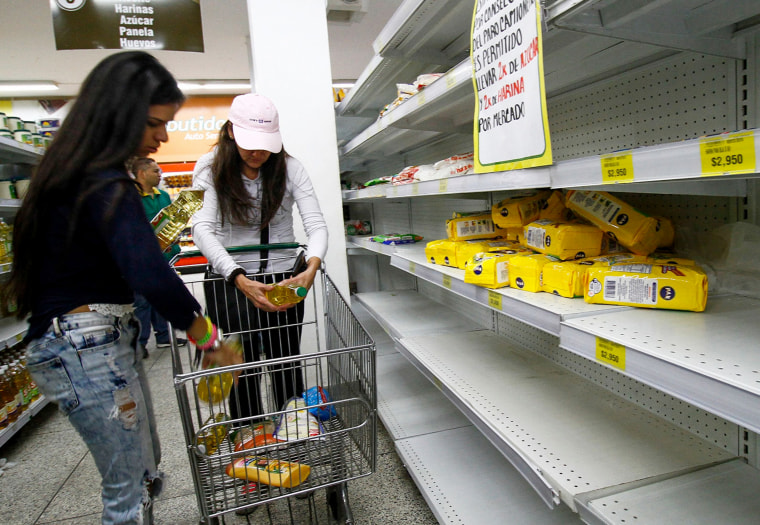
[
  {"x": 214, "y": 388},
  {"x": 287, "y": 294},
  {"x": 170, "y": 221}
]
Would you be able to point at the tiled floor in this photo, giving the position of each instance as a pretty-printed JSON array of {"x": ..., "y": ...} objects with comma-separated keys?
[{"x": 55, "y": 480}]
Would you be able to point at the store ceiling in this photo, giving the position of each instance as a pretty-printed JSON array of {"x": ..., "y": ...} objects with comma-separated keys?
[{"x": 29, "y": 54}]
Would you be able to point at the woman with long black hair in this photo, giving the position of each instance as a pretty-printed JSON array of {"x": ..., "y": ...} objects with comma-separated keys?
[{"x": 82, "y": 248}]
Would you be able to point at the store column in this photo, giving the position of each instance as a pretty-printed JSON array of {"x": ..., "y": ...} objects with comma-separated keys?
[{"x": 291, "y": 65}]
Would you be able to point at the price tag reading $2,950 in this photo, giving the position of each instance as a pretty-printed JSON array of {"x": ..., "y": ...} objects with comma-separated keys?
[
  {"x": 610, "y": 353},
  {"x": 617, "y": 167},
  {"x": 494, "y": 300},
  {"x": 728, "y": 155}
]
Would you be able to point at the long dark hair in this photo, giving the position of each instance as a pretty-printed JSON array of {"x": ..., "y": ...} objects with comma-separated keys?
[
  {"x": 103, "y": 129},
  {"x": 234, "y": 203}
]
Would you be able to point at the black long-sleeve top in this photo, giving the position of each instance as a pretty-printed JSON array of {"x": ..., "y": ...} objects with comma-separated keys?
[{"x": 112, "y": 254}]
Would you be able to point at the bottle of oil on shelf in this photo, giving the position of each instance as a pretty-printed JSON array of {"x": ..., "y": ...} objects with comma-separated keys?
[
  {"x": 6, "y": 398},
  {"x": 12, "y": 403},
  {"x": 34, "y": 393},
  {"x": 287, "y": 294},
  {"x": 170, "y": 221},
  {"x": 19, "y": 377}
]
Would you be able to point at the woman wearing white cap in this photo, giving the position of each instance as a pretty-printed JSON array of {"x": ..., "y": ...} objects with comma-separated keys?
[{"x": 251, "y": 185}]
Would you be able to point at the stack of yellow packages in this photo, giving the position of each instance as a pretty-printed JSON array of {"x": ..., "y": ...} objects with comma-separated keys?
[
  {"x": 491, "y": 269},
  {"x": 467, "y": 234}
]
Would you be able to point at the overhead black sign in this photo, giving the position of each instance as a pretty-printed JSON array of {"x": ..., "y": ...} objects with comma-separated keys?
[{"x": 136, "y": 24}]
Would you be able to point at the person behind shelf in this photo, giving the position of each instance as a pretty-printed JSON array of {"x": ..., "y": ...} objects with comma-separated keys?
[
  {"x": 251, "y": 184},
  {"x": 82, "y": 247},
  {"x": 147, "y": 177}
]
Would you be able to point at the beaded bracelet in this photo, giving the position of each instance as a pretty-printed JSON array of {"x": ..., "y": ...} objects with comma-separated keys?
[{"x": 211, "y": 341}]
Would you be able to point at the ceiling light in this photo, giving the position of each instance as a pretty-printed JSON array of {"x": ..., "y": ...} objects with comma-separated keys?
[
  {"x": 23, "y": 87},
  {"x": 214, "y": 85}
]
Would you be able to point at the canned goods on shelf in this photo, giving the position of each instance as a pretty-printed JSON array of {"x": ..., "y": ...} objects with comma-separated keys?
[
  {"x": 4, "y": 132},
  {"x": 14, "y": 123},
  {"x": 30, "y": 125},
  {"x": 3, "y": 121},
  {"x": 23, "y": 136}
]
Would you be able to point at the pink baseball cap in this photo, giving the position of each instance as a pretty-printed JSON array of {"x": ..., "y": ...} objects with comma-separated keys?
[{"x": 255, "y": 123}]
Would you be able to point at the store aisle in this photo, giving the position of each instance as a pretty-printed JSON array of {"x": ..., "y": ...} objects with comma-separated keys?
[{"x": 55, "y": 480}]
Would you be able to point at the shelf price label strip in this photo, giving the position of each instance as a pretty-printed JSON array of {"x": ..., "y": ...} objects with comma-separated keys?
[
  {"x": 730, "y": 154},
  {"x": 610, "y": 353},
  {"x": 617, "y": 167}
]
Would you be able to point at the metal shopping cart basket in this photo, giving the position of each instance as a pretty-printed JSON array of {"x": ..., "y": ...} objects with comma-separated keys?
[{"x": 246, "y": 446}]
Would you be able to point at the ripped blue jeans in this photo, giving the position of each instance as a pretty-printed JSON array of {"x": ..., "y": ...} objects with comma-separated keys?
[{"x": 87, "y": 364}]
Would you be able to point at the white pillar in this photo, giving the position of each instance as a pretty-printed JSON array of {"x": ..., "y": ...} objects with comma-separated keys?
[{"x": 291, "y": 65}]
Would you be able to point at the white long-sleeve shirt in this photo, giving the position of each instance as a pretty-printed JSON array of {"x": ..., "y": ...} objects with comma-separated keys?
[{"x": 211, "y": 237}]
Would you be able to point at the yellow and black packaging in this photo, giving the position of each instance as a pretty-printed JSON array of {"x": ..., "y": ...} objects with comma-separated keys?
[
  {"x": 564, "y": 240},
  {"x": 648, "y": 286},
  {"x": 554, "y": 208},
  {"x": 491, "y": 269},
  {"x": 442, "y": 252},
  {"x": 465, "y": 250},
  {"x": 516, "y": 212},
  {"x": 629, "y": 227},
  {"x": 525, "y": 271},
  {"x": 666, "y": 232},
  {"x": 464, "y": 227},
  {"x": 565, "y": 278}
]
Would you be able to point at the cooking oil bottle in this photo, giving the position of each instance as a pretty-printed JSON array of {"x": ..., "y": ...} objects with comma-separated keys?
[
  {"x": 211, "y": 438},
  {"x": 12, "y": 401},
  {"x": 286, "y": 294},
  {"x": 170, "y": 221},
  {"x": 6, "y": 398},
  {"x": 19, "y": 380},
  {"x": 214, "y": 388}
]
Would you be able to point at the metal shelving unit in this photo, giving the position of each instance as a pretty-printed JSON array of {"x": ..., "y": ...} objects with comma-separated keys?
[{"x": 604, "y": 60}]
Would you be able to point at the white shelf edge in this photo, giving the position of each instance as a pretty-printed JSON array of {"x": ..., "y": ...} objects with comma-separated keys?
[
  {"x": 539, "y": 310},
  {"x": 733, "y": 394},
  {"x": 7, "y": 433},
  {"x": 536, "y": 463}
]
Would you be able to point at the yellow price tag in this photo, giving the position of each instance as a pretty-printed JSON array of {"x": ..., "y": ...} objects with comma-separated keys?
[
  {"x": 395, "y": 191},
  {"x": 447, "y": 281},
  {"x": 617, "y": 167},
  {"x": 728, "y": 155},
  {"x": 494, "y": 300},
  {"x": 437, "y": 383},
  {"x": 19, "y": 337},
  {"x": 415, "y": 189},
  {"x": 610, "y": 353},
  {"x": 443, "y": 185},
  {"x": 420, "y": 98},
  {"x": 412, "y": 267},
  {"x": 451, "y": 80}
]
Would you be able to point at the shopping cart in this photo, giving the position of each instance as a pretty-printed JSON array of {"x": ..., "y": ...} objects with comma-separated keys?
[{"x": 233, "y": 446}]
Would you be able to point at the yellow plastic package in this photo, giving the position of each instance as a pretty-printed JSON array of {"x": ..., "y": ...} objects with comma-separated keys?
[
  {"x": 463, "y": 227},
  {"x": 268, "y": 471},
  {"x": 442, "y": 251},
  {"x": 491, "y": 269},
  {"x": 648, "y": 286},
  {"x": 669, "y": 258},
  {"x": 516, "y": 212},
  {"x": 555, "y": 209},
  {"x": 565, "y": 278},
  {"x": 465, "y": 250},
  {"x": 564, "y": 240},
  {"x": 514, "y": 234},
  {"x": 525, "y": 271},
  {"x": 631, "y": 228},
  {"x": 666, "y": 232}
]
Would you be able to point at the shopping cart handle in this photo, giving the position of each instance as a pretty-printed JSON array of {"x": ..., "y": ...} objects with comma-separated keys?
[{"x": 193, "y": 257}]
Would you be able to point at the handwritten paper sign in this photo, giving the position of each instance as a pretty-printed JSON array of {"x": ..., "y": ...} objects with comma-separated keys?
[{"x": 511, "y": 129}]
